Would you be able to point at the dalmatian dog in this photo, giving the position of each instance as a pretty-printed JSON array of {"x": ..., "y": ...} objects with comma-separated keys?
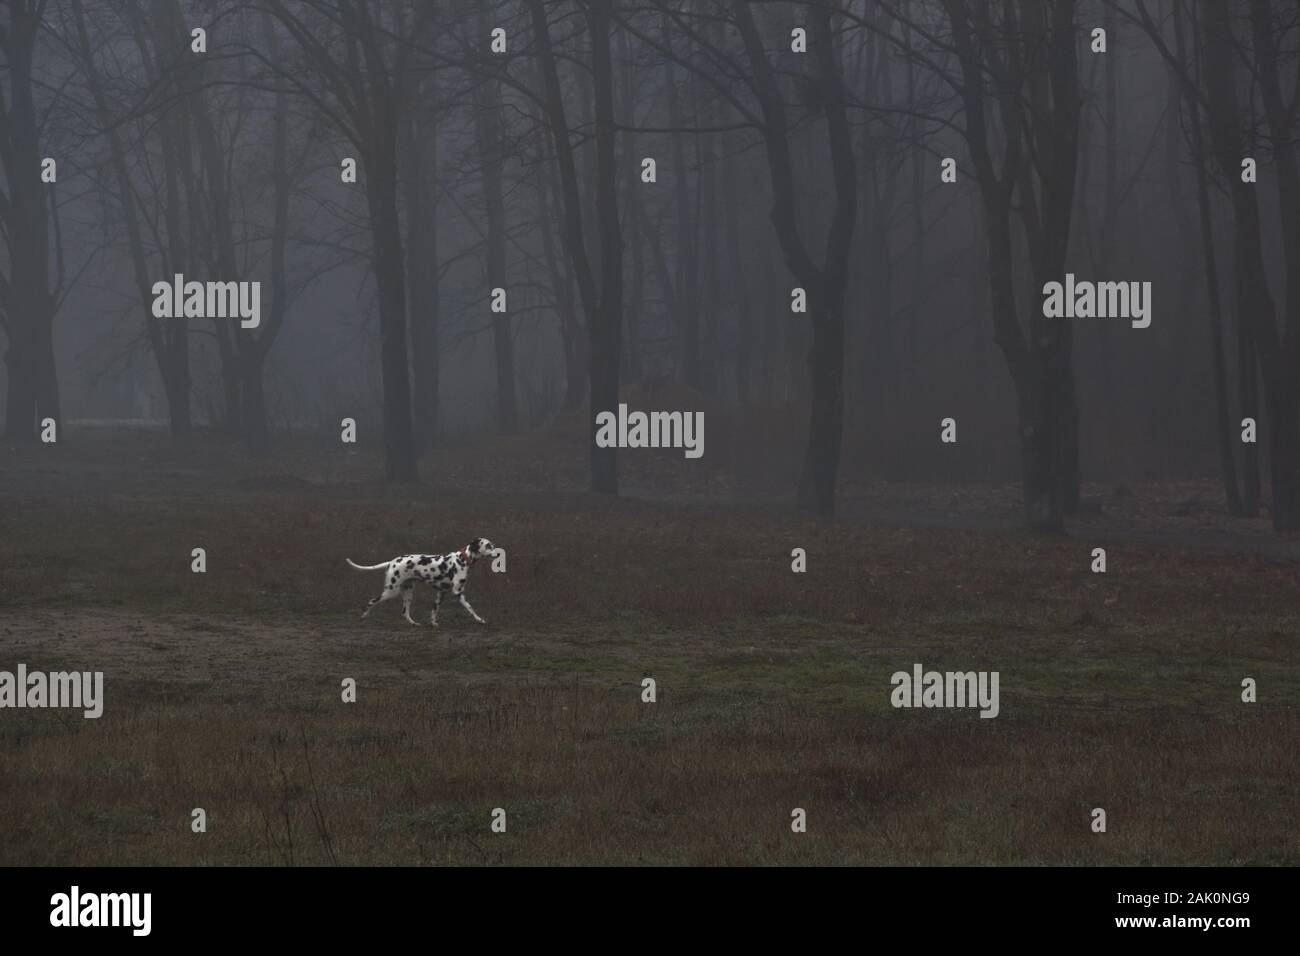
[{"x": 446, "y": 572}]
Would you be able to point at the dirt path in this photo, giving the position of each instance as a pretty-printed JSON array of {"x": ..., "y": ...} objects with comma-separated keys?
[{"x": 192, "y": 648}]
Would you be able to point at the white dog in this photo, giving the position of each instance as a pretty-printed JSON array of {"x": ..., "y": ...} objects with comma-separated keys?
[{"x": 446, "y": 572}]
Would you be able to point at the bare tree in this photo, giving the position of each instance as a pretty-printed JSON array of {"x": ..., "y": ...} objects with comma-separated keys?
[
  {"x": 26, "y": 299},
  {"x": 357, "y": 53},
  {"x": 1232, "y": 33},
  {"x": 418, "y": 141},
  {"x": 488, "y": 122},
  {"x": 153, "y": 230},
  {"x": 824, "y": 281},
  {"x": 1025, "y": 63},
  {"x": 603, "y": 306}
]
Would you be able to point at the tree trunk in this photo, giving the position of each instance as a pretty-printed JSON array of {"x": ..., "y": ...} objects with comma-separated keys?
[
  {"x": 571, "y": 330},
  {"x": 686, "y": 317},
  {"x": 1284, "y": 456},
  {"x": 32, "y": 388},
  {"x": 20, "y": 389},
  {"x": 1256, "y": 312},
  {"x": 385, "y": 227},
  {"x": 606, "y": 331},
  {"x": 487, "y": 124},
  {"x": 419, "y": 155},
  {"x": 1248, "y": 395},
  {"x": 176, "y": 381},
  {"x": 257, "y": 436},
  {"x": 1041, "y": 120},
  {"x": 1282, "y": 371},
  {"x": 1205, "y": 220},
  {"x": 826, "y": 422},
  {"x": 707, "y": 216},
  {"x": 743, "y": 327},
  {"x": 159, "y": 334},
  {"x": 825, "y": 284},
  {"x": 635, "y": 212},
  {"x": 602, "y": 460}
]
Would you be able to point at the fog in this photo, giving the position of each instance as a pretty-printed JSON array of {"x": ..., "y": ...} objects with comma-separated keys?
[{"x": 840, "y": 160}]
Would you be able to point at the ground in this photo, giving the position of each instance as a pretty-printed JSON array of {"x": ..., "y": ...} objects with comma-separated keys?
[{"x": 1119, "y": 690}]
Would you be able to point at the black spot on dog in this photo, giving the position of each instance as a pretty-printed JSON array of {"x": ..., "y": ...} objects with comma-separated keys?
[{"x": 426, "y": 560}]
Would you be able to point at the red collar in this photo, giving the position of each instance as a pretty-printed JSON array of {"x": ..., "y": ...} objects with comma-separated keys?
[{"x": 464, "y": 553}]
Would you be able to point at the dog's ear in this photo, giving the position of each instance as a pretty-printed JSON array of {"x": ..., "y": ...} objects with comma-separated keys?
[{"x": 473, "y": 545}]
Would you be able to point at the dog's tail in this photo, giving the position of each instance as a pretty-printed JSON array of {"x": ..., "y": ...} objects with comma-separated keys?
[{"x": 365, "y": 567}]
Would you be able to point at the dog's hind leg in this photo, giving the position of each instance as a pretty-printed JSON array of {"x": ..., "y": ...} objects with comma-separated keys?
[
  {"x": 389, "y": 592},
  {"x": 408, "y": 592}
]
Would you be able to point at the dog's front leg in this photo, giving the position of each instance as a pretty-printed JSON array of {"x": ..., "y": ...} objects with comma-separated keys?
[
  {"x": 437, "y": 603},
  {"x": 465, "y": 604}
]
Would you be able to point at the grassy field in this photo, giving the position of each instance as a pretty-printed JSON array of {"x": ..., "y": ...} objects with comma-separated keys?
[{"x": 1119, "y": 691}]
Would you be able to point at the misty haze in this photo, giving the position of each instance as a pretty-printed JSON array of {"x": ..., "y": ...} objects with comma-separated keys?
[{"x": 740, "y": 361}]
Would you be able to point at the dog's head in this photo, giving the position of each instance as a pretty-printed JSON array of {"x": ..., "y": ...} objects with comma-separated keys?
[{"x": 479, "y": 548}]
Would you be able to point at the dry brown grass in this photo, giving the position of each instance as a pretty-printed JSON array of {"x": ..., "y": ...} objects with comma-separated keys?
[
  {"x": 589, "y": 775},
  {"x": 1119, "y": 691}
]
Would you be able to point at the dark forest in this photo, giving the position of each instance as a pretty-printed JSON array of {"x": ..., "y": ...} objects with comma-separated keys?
[{"x": 765, "y": 349}]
